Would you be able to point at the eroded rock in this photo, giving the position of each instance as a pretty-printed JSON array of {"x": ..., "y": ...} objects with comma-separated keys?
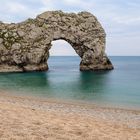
[{"x": 25, "y": 46}]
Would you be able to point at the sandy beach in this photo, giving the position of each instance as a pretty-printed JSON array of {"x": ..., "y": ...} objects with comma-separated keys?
[{"x": 27, "y": 118}]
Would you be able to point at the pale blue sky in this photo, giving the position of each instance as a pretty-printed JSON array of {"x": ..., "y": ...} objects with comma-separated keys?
[{"x": 120, "y": 18}]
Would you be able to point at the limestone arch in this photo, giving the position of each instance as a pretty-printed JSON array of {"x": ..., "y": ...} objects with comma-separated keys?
[{"x": 25, "y": 46}]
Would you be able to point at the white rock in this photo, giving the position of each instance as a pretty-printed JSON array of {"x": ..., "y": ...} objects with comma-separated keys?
[
  {"x": 1, "y": 40},
  {"x": 16, "y": 46},
  {"x": 21, "y": 33}
]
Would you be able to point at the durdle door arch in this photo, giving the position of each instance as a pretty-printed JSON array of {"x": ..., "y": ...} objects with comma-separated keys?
[{"x": 25, "y": 46}]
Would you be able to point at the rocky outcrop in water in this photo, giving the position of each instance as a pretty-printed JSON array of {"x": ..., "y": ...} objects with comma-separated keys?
[{"x": 25, "y": 46}]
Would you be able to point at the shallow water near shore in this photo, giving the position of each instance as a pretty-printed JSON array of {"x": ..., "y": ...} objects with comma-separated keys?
[{"x": 118, "y": 88}]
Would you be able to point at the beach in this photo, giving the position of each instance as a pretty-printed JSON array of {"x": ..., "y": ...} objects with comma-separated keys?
[{"x": 23, "y": 118}]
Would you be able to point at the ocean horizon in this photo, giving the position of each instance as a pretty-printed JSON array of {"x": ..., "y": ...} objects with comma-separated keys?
[{"x": 64, "y": 81}]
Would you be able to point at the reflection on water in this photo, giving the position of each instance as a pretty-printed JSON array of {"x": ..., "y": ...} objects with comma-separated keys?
[
  {"x": 92, "y": 84},
  {"x": 65, "y": 81},
  {"x": 78, "y": 85}
]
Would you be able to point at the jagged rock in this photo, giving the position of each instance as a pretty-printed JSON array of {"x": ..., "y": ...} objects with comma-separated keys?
[{"x": 25, "y": 46}]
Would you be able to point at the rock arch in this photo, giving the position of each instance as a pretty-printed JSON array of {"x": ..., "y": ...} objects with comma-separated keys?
[{"x": 25, "y": 46}]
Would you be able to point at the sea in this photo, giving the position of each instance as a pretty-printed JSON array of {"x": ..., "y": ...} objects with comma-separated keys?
[{"x": 64, "y": 81}]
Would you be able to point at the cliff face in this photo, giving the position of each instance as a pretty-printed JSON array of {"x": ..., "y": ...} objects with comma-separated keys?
[{"x": 25, "y": 46}]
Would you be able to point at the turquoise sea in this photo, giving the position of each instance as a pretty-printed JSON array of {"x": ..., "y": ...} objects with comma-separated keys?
[{"x": 118, "y": 88}]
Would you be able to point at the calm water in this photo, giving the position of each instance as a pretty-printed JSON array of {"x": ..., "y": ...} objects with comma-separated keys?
[{"x": 119, "y": 87}]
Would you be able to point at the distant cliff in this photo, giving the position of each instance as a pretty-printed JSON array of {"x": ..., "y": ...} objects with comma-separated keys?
[{"x": 25, "y": 46}]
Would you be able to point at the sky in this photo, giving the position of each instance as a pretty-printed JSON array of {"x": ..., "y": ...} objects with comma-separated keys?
[{"x": 119, "y": 18}]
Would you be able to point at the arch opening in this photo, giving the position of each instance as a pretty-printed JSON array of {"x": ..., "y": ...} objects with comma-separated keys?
[
  {"x": 62, "y": 56},
  {"x": 61, "y": 48}
]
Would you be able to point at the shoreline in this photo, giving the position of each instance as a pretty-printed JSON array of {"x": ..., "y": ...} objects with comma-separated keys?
[
  {"x": 108, "y": 122},
  {"x": 68, "y": 101}
]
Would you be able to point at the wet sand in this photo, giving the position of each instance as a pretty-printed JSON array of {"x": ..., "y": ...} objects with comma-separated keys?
[{"x": 27, "y": 118}]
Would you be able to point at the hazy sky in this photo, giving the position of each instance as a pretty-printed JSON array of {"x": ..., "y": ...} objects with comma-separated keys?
[{"x": 120, "y": 18}]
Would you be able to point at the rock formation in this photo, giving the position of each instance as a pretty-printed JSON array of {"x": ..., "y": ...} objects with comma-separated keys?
[{"x": 25, "y": 46}]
